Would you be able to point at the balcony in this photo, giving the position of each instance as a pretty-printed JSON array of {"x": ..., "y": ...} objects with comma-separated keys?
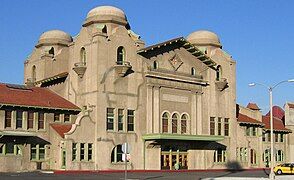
[
  {"x": 123, "y": 68},
  {"x": 80, "y": 68},
  {"x": 221, "y": 84}
]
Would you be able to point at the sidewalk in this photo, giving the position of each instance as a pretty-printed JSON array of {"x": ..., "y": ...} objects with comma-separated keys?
[{"x": 280, "y": 177}]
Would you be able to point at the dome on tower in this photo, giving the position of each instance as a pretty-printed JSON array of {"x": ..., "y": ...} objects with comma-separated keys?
[
  {"x": 104, "y": 14},
  {"x": 204, "y": 38},
  {"x": 54, "y": 37}
]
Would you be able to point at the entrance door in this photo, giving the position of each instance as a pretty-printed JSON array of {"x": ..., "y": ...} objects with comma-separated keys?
[
  {"x": 63, "y": 159},
  {"x": 174, "y": 160}
]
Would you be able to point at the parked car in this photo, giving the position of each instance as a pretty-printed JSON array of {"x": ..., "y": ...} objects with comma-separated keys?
[{"x": 286, "y": 168}]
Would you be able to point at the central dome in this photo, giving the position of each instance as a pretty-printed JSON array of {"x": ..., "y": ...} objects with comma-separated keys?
[
  {"x": 204, "y": 38},
  {"x": 106, "y": 10},
  {"x": 106, "y": 13}
]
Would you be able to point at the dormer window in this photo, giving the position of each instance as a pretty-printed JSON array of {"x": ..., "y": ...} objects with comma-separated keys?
[
  {"x": 120, "y": 55},
  {"x": 155, "y": 65},
  {"x": 83, "y": 57},
  {"x": 51, "y": 51},
  {"x": 193, "y": 71}
]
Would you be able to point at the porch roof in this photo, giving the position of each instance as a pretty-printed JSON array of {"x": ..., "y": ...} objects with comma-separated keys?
[{"x": 185, "y": 137}]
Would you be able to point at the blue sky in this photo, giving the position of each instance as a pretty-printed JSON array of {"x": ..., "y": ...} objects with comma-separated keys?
[{"x": 259, "y": 34}]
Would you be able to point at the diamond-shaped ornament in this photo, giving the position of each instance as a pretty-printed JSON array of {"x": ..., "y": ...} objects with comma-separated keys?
[{"x": 175, "y": 61}]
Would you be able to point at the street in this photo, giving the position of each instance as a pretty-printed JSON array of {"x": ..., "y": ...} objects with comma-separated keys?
[{"x": 260, "y": 174}]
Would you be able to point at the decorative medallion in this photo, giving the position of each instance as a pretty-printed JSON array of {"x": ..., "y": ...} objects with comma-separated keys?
[{"x": 175, "y": 61}]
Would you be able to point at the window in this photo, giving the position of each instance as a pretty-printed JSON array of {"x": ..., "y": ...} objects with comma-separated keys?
[
  {"x": 263, "y": 136},
  {"x": 267, "y": 156},
  {"x": 90, "y": 152},
  {"x": 227, "y": 126},
  {"x": 282, "y": 138},
  {"x": 83, "y": 55},
  {"x": 130, "y": 120},
  {"x": 82, "y": 151},
  {"x": 254, "y": 130},
  {"x": 51, "y": 51},
  {"x": 40, "y": 120},
  {"x": 74, "y": 151},
  {"x": 66, "y": 117},
  {"x": 276, "y": 137},
  {"x": 7, "y": 118},
  {"x": 33, "y": 73},
  {"x": 110, "y": 118},
  {"x": 193, "y": 71},
  {"x": 212, "y": 125},
  {"x": 218, "y": 73},
  {"x": 248, "y": 129},
  {"x": 120, "y": 55},
  {"x": 269, "y": 137},
  {"x": 104, "y": 30},
  {"x": 175, "y": 123},
  {"x": 37, "y": 152},
  {"x": 117, "y": 154},
  {"x": 279, "y": 155},
  {"x": 219, "y": 156},
  {"x": 9, "y": 149},
  {"x": 56, "y": 117},
  {"x": 184, "y": 124},
  {"x": 252, "y": 156},
  {"x": 243, "y": 154},
  {"x": 30, "y": 120},
  {"x": 155, "y": 65},
  {"x": 120, "y": 119},
  {"x": 165, "y": 118},
  {"x": 219, "y": 126},
  {"x": 18, "y": 119}
]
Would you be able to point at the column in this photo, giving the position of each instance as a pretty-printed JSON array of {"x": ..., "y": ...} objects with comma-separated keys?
[
  {"x": 193, "y": 120},
  {"x": 156, "y": 108},
  {"x": 149, "y": 110},
  {"x": 199, "y": 113}
]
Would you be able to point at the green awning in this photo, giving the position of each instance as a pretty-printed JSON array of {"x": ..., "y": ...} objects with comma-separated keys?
[
  {"x": 184, "y": 137},
  {"x": 16, "y": 133}
]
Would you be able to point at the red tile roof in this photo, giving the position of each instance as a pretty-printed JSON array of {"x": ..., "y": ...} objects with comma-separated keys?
[
  {"x": 61, "y": 128},
  {"x": 278, "y": 124},
  {"x": 278, "y": 112},
  {"x": 19, "y": 95},
  {"x": 253, "y": 106},
  {"x": 247, "y": 120}
]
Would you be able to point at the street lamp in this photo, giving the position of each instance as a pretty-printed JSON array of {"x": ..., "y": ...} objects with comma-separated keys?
[{"x": 270, "y": 89}]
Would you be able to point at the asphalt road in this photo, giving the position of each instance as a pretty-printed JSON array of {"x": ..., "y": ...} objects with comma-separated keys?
[{"x": 139, "y": 176}]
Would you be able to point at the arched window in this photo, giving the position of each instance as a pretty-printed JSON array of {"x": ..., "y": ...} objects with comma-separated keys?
[
  {"x": 104, "y": 29},
  {"x": 266, "y": 157},
  {"x": 218, "y": 72},
  {"x": 175, "y": 118},
  {"x": 117, "y": 154},
  {"x": 279, "y": 155},
  {"x": 34, "y": 73},
  {"x": 51, "y": 51},
  {"x": 120, "y": 55},
  {"x": 155, "y": 65},
  {"x": 165, "y": 118},
  {"x": 83, "y": 56},
  {"x": 193, "y": 71},
  {"x": 184, "y": 119},
  {"x": 252, "y": 156}
]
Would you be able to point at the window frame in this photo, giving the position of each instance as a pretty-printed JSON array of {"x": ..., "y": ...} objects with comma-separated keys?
[
  {"x": 30, "y": 119},
  {"x": 110, "y": 119},
  {"x": 19, "y": 119},
  {"x": 130, "y": 120},
  {"x": 8, "y": 119}
]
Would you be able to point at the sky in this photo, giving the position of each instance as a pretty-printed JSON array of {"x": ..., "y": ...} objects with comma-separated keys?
[{"x": 259, "y": 34}]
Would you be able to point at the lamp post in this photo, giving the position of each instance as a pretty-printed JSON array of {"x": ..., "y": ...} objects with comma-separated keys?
[{"x": 270, "y": 89}]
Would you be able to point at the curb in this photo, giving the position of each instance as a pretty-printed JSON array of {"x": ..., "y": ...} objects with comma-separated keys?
[{"x": 150, "y": 171}]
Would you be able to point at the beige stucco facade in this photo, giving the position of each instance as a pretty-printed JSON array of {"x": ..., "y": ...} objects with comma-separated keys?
[{"x": 173, "y": 102}]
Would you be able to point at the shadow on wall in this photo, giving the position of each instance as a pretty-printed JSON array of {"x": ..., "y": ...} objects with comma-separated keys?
[{"x": 233, "y": 166}]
